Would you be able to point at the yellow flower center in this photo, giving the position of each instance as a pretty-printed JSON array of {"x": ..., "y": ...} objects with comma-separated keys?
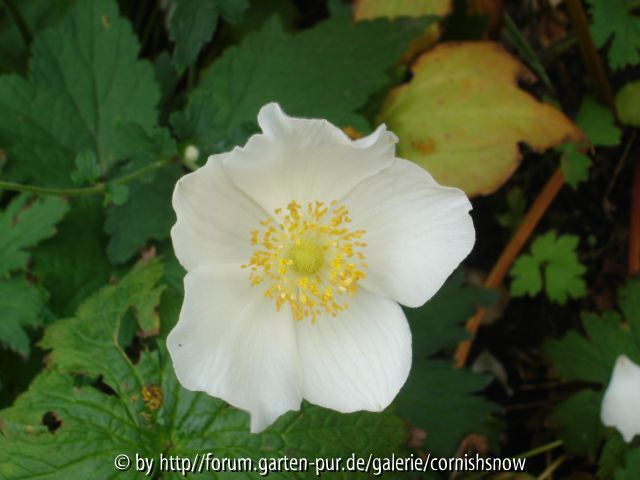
[{"x": 308, "y": 258}]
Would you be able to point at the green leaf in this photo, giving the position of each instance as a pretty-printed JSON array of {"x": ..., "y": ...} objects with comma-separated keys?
[
  {"x": 193, "y": 22},
  {"x": 146, "y": 215},
  {"x": 38, "y": 15},
  {"x": 24, "y": 224},
  {"x": 516, "y": 207},
  {"x": 73, "y": 264},
  {"x": 442, "y": 401},
  {"x": 328, "y": 71},
  {"x": 584, "y": 435},
  {"x": 116, "y": 194},
  {"x": 439, "y": 324},
  {"x": 591, "y": 358},
  {"x": 20, "y": 304},
  {"x": 106, "y": 404},
  {"x": 598, "y": 123},
  {"x": 574, "y": 164},
  {"x": 631, "y": 469},
  {"x": 614, "y": 19},
  {"x": 555, "y": 258},
  {"x": 87, "y": 168},
  {"x": 628, "y": 104},
  {"x": 612, "y": 455},
  {"x": 84, "y": 79}
]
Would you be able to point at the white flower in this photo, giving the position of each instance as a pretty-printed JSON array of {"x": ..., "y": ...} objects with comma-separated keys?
[
  {"x": 621, "y": 402},
  {"x": 299, "y": 247}
]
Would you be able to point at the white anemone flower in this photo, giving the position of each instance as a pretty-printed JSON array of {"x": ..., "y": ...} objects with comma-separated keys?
[
  {"x": 621, "y": 402},
  {"x": 299, "y": 248}
]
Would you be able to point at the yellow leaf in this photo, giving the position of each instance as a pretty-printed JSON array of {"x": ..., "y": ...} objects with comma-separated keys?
[
  {"x": 462, "y": 115},
  {"x": 370, "y": 9}
]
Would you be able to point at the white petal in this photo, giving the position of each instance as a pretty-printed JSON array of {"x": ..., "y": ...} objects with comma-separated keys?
[
  {"x": 231, "y": 343},
  {"x": 621, "y": 402},
  {"x": 417, "y": 232},
  {"x": 215, "y": 218},
  {"x": 305, "y": 160},
  {"x": 358, "y": 360}
]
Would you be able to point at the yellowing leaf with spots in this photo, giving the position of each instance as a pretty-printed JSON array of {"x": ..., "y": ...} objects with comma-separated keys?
[
  {"x": 370, "y": 9},
  {"x": 462, "y": 115}
]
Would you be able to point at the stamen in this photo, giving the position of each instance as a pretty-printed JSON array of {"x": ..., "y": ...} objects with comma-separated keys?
[{"x": 308, "y": 258}]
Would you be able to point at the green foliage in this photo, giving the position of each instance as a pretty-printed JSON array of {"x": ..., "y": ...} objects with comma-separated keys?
[
  {"x": 23, "y": 224},
  {"x": 598, "y": 124},
  {"x": 591, "y": 359},
  {"x": 144, "y": 410},
  {"x": 328, "y": 71},
  {"x": 37, "y": 15},
  {"x": 74, "y": 264},
  {"x": 628, "y": 104},
  {"x": 193, "y": 23},
  {"x": 439, "y": 324},
  {"x": 87, "y": 168},
  {"x": 438, "y": 398},
  {"x": 442, "y": 401},
  {"x": 84, "y": 79},
  {"x": 615, "y": 20},
  {"x": 146, "y": 214},
  {"x": 516, "y": 207},
  {"x": 554, "y": 259},
  {"x": 20, "y": 304},
  {"x": 631, "y": 468}
]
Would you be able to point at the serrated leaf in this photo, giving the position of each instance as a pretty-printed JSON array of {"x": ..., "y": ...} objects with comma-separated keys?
[
  {"x": 555, "y": 258},
  {"x": 591, "y": 359},
  {"x": 87, "y": 168},
  {"x": 439, "y": 324},
  {"x": 614, "y": 19},
  {"x": 146, "y": 215},
  {"x": 73, "y": 264},
  {"x": 85, "y": 71},
  {"x": 193, "y": 22},
  {"x": 574, "y": 164},
  {"x": 24, "y": 224},
  {"x": 582, "y": 436},
  {"x": 328, "y": 71},
  {"x": 20, "y": 304},
  {"x": 116, "y": 194},
  {"x": 148, "y": 412},
  {"x": 462, "y": 115},
  {"x": 442, "y": 400},
  {"x": 628, "y": 104},
  {"x": 598, "y": 123}
]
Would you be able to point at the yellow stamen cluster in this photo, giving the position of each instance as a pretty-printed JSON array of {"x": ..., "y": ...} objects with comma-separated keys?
[{"x": 308, "y": 258}]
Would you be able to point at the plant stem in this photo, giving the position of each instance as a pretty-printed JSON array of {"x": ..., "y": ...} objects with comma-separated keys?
[
  {"x": 509, "y": 254},
  {"x": 541, "y": 449},
  {"x": 76, "y": 192},
  {"x": 15, "y": 13},
  {"x": 552, "y": 468},
  {"x": 634, "y": 222},
  {"x": 590, "y": 55}
]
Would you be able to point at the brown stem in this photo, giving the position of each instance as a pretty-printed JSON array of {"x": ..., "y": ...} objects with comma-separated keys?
[
  {"x": 509, "y": 254},
  {"x": 634, "y": 223},
  {"x": 589, "y": 53}
]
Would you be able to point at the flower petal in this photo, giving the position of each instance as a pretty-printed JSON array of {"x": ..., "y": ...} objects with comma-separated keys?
[
  {"x": 214, "y": 218},
  {"x": 621, "y": 399},
  {"x": 417, "y": 232},
  {"x": 358, "y": 360},
  {"x": 231, "y": 343},
  {"x": 305, "y": 160}
]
